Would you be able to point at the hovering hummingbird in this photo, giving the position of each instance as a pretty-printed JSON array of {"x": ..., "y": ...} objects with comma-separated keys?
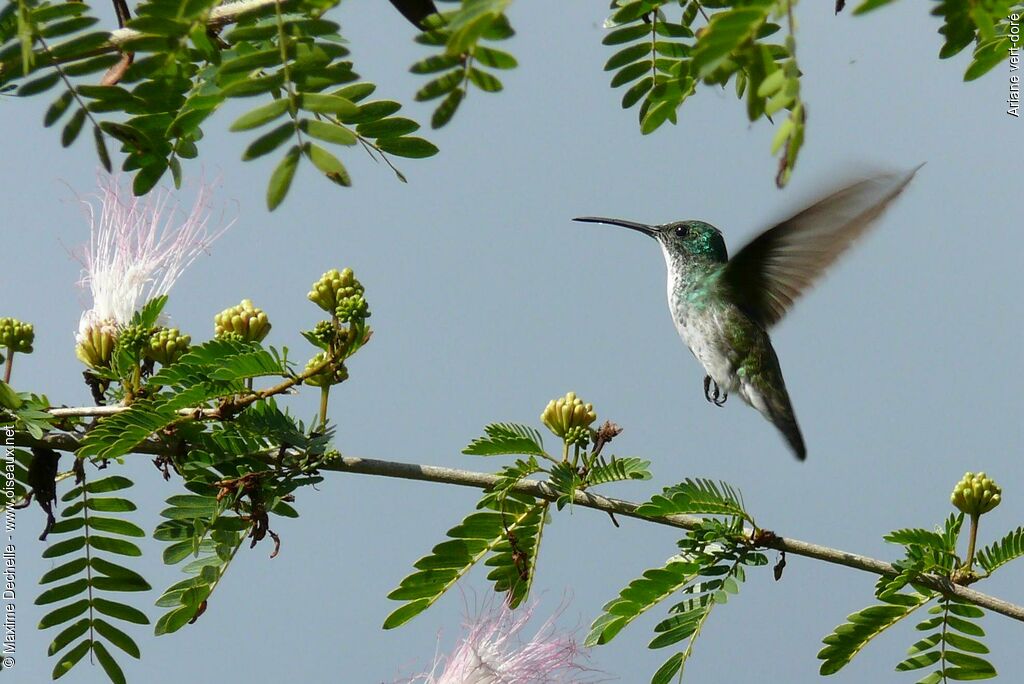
[{"x": 724, "y": 307}]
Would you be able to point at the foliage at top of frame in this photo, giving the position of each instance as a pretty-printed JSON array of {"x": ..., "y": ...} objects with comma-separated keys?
[
  {"x": 150, "y": 85},
  {"x": 174, "y": 64},
  {"x": 985, "y": 24}
]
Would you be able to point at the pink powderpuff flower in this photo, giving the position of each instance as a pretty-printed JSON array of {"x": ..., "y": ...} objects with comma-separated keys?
[
  {"x": 492, "y": 652},
  {"x": 138, "y": 248}
]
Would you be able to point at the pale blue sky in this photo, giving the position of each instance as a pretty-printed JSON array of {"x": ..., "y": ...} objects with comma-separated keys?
[{"x": 903, "y": 365}]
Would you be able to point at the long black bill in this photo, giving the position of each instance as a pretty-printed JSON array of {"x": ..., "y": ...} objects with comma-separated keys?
[{"x": 650, "y": 231}]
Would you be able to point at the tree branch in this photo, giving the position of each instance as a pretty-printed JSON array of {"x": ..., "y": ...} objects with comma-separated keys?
[
  {"x": 223, "y": 15},
  {"x": 478, "y": 480}
]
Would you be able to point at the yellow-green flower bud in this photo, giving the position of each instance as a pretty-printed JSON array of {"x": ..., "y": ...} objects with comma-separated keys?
[
  {"x": 975, "y": 494},
  {"x": 578, "y": 435},
  {"x": 565, "y": 413},
  {"x": 325, "y": 378},
  {"x": 352, "y": 308},
  {"x": 96, "y": 342},
  {"x": 16, "y": 336},
  {"x": 167, "y": 345},
  {"x": 333, "y": 287},
  {"x": 324, "y": 332},
  {"x": 246, "y": 320},
  {"x": 133, "y": 338}
]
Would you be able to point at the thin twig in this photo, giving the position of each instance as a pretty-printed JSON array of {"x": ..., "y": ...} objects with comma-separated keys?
[
  {"x": 231, "y": 406},
  {"x": 477, "y": 480},
  {"x": 228, "y": 13}
]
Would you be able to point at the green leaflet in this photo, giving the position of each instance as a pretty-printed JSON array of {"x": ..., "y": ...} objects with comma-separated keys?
[
  {"x": 199, "y": 528},
  {"x": 85, "y": 585},
  {"x": 1000, "y": 553},
  {"x": 119, "y": 434},
  {"x": 505, "y": 534},
  {"x": 847, "y": 640},
  {"x": 507, "y": 438},
  {"x": 709, "y": 570},
  {"x": 957, "y": 657},
  {"x": 566, "y": 480},
  {"x": 697, "y": 496},
  {"x": 619, "y": 470},
  {"x": 460, "y": 34},
  {"x": 640, "y": 595}
]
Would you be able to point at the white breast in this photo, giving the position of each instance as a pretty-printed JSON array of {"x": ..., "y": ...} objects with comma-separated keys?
[{"x": 703, "y": 333}]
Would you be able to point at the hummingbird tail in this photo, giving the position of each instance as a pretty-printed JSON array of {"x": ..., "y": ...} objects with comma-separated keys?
[
  {"x": 791, "y": 431},
  {"x": 772, "y": 401}
]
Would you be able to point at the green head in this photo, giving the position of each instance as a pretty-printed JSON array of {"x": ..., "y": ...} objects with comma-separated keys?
[{"x": 684, "y": 242}]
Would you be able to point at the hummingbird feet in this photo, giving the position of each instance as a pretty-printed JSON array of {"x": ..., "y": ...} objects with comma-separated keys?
[{"x": 716, "y": 397}]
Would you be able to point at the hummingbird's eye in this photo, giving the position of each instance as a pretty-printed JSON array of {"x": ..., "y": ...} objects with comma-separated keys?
[{"x": 682, "y": 230}]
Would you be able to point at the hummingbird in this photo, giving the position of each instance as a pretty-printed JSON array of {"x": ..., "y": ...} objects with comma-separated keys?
[{"x": 723, "y": 308}]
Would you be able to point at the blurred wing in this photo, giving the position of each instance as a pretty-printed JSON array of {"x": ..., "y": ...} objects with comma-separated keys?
[{"x": 775, "y": 268}]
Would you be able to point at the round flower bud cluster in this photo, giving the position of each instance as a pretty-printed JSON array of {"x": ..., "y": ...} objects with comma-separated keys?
[
  {"x": 134, "y": 338},
  {"x": 976, "y": 493},
  {"x": 16, "y": 336},
  {"x": 578, "y": 436},
  {"x": 565, "y": 413},
  {"x": 324, "y": 332},
  {"x": 167, "y": 345},
  {"x": 326, "y": 377},
  {"x": 96, "y": 342},
  {"x": 340, "y": 294},
  {"x": 244, "y": 319},
  {"x": 352, "y": 308}
]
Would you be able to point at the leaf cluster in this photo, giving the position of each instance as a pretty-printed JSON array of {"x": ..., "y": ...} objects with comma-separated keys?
[
  {"x": 240, "y": 458},
  {"x": 506, "y": 530},
  {"x": 94, "y": 538},
  {"x": 666, "y": 49},
  {"x": 985, "y": 24},
  {"x": 176, "y": 67},
  {"x": 953, "y": 644},
  {"x": 463, "y": 60},
  {"x": 708, "y": 569}
]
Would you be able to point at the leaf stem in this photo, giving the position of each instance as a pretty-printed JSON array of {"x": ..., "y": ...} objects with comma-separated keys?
[
  {"x": 972, "y": 540},
  {"x": 324, "y": 392},
  {"x": 8, "y": 365},
  {"x": 88, "y": 556},
  {"x": 74, "y": 93},
  {"x": 293, "y": 100},
  {"x": 532, "y": 567},
  {"x": 945, "y": 624}
]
